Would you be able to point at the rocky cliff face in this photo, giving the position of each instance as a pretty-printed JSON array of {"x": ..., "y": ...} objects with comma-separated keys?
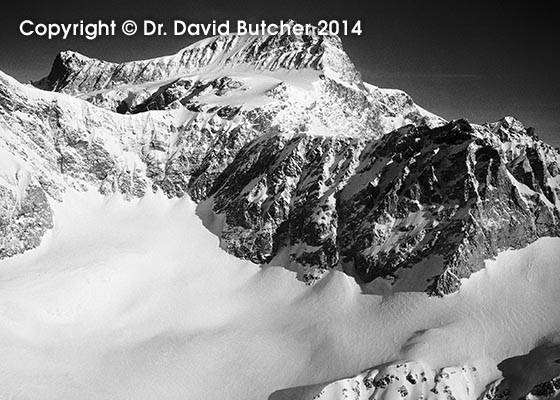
[{"x": 381, "y": 206}]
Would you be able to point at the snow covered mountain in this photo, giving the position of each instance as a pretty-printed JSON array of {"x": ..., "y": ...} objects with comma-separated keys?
[
  {"x": 300, "y": 160},
  {"x": 292, "y": 161},
  {"x": 218, "y": 94},
  {"x": 239, "y": 71}
]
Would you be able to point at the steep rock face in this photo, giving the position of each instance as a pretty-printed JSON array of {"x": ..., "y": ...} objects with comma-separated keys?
[
  {"x": 385, "y": 205},
  {"x": 445, "y": 193},
  {"x": 398, "y": 109},
  {"x": 46, "y": 147},
  {"x": 326, "y": 100},
  {"x": 56, "y": 142},
  {"x": 218, "y": 95},
  {"x": 68, "y": 143},
  {"x": 278, "y": 192},
  {"x": 25, "y": 213}
]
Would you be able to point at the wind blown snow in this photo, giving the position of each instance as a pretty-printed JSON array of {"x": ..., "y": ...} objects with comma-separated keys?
[{"x": 135, "y": 300}]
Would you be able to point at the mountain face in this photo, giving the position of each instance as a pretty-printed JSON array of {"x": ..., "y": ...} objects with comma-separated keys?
[
  {"x": 311, "y": 167},
  {"x": 384, "y": 205},
  {"x": 302, "y": 164},
  {"x": 215, "y": 97}
]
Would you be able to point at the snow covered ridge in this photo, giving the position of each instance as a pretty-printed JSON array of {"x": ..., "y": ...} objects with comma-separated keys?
[
  {"x": 413, "y": 380},
  {"x": 410, "y": 380},
  {"x": 74, "y": 73},
  {"x": 235, "y": 70}
]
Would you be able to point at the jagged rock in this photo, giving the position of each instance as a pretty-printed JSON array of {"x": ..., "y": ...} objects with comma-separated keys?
[
  {"x": 413, "y": 379},
  {"x": 25, "y": 213},
  {"x": 406, "y": 380},
  {"x": 383, "y": 204}
]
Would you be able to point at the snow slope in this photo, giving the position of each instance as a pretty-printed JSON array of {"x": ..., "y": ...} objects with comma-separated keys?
[{"x": 135, "y": 300}]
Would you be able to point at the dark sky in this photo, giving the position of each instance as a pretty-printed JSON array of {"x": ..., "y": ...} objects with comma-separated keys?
[{"x": 477, "y": 60}]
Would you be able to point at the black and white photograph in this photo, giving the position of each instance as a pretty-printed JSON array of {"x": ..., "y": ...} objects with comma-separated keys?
[{"x": 252, "y": 200}]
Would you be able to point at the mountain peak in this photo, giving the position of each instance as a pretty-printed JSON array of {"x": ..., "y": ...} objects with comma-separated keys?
[
  {"x": 510, "y": 129},
  {"x": 75, "y": 73}
]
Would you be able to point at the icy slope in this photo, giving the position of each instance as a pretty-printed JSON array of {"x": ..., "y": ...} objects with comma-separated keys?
[{"x": 136, "y": 300}]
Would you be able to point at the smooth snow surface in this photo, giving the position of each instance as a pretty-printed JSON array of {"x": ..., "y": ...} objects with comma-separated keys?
[{"x": 135, "y": 300}]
